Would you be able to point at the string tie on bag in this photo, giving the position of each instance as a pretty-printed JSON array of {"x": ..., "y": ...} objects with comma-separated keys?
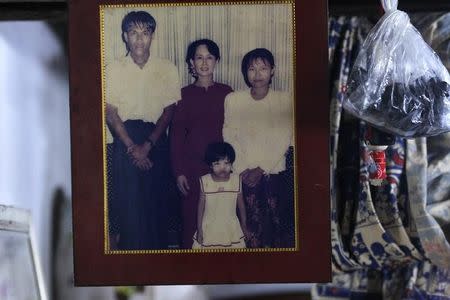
[{"x": 389, "y": 5}]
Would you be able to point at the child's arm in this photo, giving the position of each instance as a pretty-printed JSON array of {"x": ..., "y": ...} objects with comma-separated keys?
[
  {"x": 201, "y": 209},
  {"x": 242, "y": 214}
]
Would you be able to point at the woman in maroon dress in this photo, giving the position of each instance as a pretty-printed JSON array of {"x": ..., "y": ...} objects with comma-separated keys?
[{"x": 197, "y": 122}]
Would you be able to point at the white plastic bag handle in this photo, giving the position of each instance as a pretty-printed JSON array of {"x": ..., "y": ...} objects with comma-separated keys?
[{"x": 389, "y": 5}]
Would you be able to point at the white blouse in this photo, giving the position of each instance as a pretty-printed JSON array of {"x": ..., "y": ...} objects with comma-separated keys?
[
  {"x": 260, "y": 131},
  {"x": 141, "y": 94}
]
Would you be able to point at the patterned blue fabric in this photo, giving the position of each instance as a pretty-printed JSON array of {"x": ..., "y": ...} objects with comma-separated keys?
[
  {"x": 432, "y": 239},
  {"x": 341, "y": 37},
  {"x": 386, "y": 242}
]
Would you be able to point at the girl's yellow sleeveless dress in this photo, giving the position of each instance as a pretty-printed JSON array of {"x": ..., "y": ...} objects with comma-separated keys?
[{"x": 221, "y": 227}]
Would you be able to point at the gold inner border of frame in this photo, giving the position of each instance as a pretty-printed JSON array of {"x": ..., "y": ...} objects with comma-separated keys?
[{"x": 105, "y": 187}]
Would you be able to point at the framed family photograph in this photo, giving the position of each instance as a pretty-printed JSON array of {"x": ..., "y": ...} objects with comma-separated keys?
[{"x": 199, "y": 142}]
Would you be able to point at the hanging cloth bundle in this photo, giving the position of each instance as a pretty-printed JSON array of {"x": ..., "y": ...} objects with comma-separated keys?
[{"x": 398, "y": 83}]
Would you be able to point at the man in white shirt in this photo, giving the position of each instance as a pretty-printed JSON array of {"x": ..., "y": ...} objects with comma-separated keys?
[{"x": 141, "y": 91}]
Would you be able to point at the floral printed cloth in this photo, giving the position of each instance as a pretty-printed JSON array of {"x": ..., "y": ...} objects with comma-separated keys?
[{"x": 388, "y": 241}]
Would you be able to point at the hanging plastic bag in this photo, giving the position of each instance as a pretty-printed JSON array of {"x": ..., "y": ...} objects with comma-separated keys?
[{"x": 398, "y": 83}]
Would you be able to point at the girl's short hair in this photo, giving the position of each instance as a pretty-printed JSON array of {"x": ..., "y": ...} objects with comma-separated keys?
[
  {"x": 217, "y": 151},
  {"x": 210, "y": 45},
  {"x": 259, "y": 53}
]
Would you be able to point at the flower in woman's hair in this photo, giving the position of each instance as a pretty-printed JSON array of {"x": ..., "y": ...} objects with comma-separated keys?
[{"x": 192, "y": 71}]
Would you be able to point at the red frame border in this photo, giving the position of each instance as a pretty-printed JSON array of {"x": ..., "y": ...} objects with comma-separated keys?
[{"x": 312, "y": 263}]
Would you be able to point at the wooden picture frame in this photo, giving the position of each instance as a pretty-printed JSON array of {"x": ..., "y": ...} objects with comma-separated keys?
[{"x": 97, "y": 41}]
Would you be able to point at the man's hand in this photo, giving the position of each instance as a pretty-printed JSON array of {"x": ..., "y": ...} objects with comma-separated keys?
[
  {"x": 139, "y": 152},
  {"x": 183, "y": 184},
  {"x": 144, "y": 165}
]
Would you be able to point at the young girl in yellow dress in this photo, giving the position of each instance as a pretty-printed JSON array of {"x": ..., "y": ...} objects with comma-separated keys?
[{"x": 218, "y": 226}]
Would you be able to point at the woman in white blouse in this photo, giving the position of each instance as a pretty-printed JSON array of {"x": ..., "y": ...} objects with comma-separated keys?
[{"x": 259, "y": 125}]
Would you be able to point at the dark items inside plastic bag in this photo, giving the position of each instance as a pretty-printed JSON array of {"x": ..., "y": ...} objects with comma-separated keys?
[
  {"x": 420, "y": 108},
  {"x": 398, "y": 84}
]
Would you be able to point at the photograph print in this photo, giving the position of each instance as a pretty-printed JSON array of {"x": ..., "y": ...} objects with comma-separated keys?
[{"x": 199, "y": 126}]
